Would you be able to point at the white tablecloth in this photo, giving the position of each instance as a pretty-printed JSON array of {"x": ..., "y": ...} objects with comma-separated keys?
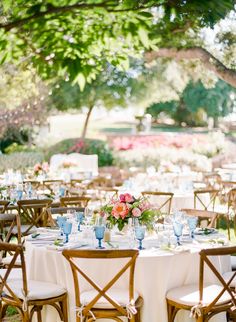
[{"x": 156, "y": 272}]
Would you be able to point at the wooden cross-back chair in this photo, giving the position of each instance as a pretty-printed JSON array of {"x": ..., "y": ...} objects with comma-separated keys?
[
  {"x": 35, "y": 184},
  {"x": 33, "y": 213},
  {"x": 226, "y": 186},
  {"x": 204, "y": 300},
  {"x": 208, "y": 203},
  {"x": 54, "y": 212},
  {"x": 208, "y": 217},
  {"x": 212, "y": 180},
  {"x": 162, "y": 205},
  {"x": 232, "y": 206},
  {"x": 28, "y": 297},
  {"x": 107, "y": 193},
  {"x": 50, "y": 184},
  {"x": 100, "y": 182},
  {"x": 104, "y": 303},
  {"x": 74, "y": 201}
]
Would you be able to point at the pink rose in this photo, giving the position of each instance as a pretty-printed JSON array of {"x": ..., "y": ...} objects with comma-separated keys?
[
  {"x": 136, "y": 212},
  {"x": 144, "y": 205},
  {"x": 126, "y": 197},
  {"x": 120, "y": 210}
]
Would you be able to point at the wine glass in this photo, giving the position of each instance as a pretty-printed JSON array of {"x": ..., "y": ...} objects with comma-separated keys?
[
  {"x": 192, "y": 224},
  {"x": 67, "y": 227},
  {"x": 60, "y": 221},
  {"x": 99, "y": 233},
  {"x": 140, "y": 234},
  {"x": 178, "y": 229},
  {"x": 79, "y": 219}
]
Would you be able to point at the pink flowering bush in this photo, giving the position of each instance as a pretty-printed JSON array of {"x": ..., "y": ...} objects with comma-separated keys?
[{"x": 119, "y": 210}]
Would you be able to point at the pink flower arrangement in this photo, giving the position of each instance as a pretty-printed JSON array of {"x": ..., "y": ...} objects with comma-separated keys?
[
  {"x": 119, "y": 210},
  {"x": 41, "y": 168}
]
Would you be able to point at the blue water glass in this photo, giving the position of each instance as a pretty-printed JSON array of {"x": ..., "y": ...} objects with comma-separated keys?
[
  {"x": 67, "y": 227},
  {"x": 192, "y": 224},
  {"x": 99, "y": 234},
  {"x": 60, "y": 221},
  {"x": 140, "y": 234},
  {"x": 79, "y": 219},
  {"x": 178, "y": 229},
  {"x": 19, "y": 194},
  {"x": 62, "y": 191}
]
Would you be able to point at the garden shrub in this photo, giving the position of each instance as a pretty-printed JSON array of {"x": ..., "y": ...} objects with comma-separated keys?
[
  {"x": 19, "y": 160},
  {"x": 83, "y": 146}
]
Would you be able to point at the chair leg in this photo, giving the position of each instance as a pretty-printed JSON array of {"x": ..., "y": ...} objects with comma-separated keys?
[
  {"x": 39, "y": 315},
  {"x": 171, "y": 312},
  {"x": 137, "y": 317},
  {"x": 64, "y": 310}
]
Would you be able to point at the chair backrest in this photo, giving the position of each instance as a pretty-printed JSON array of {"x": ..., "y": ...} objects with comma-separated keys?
[
  {"x": 207, "y": 259},
  {"x": 3, "y": 205},
  {"x": 100, "y": 182},
  {"x": 74, "y": 201},
  {"x": 33, "y": 212},
  {"x": 203, "y": 215},
  {"x": 213, "y": 180},
  {"x": 17, "y": 252},
  {"x": 205, "y": 199},
  {"x": 50, "y": 184},
  {"x": 161, "y": 200},
  {"x": 131, "y": 255},
  {"x": 232, "y": 199}
]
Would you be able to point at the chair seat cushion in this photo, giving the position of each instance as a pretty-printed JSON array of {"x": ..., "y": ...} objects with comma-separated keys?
[
  {"x": 227, "y": 276},
  {"x": 119, "y": 295},
  {"x": 6, "y": 260},
  {"x": 6, "y": 217},
  {"x": 233, "y": 262},
  {"x": 16, "y": 273},
  {"x": 37, "y": 290},
  {"x": 24, "y": 229},
  {"x": 189, "y": 295}
]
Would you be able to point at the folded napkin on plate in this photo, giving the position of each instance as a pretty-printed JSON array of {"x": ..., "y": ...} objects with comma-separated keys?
[
  {"x": 42, "y": 237},
  {"x": 176, "y": 250},
  {"x": 67, "y": 246}
]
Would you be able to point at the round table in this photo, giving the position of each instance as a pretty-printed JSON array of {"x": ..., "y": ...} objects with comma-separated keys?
[{"x": 156, "y": 272}]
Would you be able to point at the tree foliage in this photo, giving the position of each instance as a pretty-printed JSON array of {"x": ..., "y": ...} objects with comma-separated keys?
[
  {"x": 195, "y": 102},
  {"x": 76, "y": 38}
]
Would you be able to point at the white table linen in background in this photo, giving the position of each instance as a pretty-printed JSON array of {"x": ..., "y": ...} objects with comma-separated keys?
[{"x": 156, "y": 272}]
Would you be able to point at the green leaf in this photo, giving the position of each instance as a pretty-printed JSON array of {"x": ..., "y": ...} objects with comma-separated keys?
[
  {"x": 81, "y": 80},
  {"x": 143, "y": 35}
]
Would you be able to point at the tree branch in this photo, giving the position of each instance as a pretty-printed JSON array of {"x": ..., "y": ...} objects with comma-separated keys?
[
  {"x": 60, "y": 10},
  {"x": 52, "y": 10},
  {"x": 209, "y": 61}
]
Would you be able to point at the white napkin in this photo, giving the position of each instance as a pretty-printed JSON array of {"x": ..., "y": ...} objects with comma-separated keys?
[{"x": 67, "y": 246}]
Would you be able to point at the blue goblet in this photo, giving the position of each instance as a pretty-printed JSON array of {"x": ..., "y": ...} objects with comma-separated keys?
[
  {"x": 140, "y": 234},
  {"x": 60, "y": 221},
  {"x": 192, "y": 224},
  {"x": 67, "y": 227},
  {"x": 79, "y": 219},
  {"x": 178, "y": 229},
  {"x": 99, "y": 234}
]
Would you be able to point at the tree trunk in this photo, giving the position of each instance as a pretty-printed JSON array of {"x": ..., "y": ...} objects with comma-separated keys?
[
  {"x": 209, "y": 61},
  {"x": 85, "y": 127}
]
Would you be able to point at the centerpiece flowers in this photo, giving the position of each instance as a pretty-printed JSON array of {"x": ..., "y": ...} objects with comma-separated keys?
[{"x": 119, "y": 210}]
